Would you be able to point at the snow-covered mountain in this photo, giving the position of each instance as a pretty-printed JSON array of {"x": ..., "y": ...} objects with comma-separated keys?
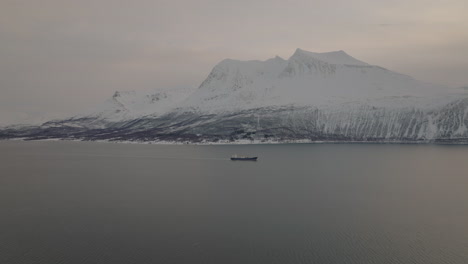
[
  {"x": 309, "y": 79},
  {"x": 310, "y": 96},
  {"x": 130, "y": 105}
]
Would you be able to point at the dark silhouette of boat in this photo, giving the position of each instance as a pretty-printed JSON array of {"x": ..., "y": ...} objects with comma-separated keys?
[{"x": 235, "y": 157}]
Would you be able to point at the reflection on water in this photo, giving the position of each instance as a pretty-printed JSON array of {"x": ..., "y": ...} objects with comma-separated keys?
[{"x": 75, "y": 202}]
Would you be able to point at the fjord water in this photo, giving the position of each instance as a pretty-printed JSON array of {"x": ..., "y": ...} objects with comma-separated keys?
[{"x": 79, "y": 202}]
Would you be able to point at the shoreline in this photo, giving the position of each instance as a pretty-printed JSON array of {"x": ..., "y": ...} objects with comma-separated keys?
[{"x": 243, "y": 142}]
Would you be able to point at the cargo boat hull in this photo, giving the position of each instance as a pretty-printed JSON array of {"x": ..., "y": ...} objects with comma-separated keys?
[{"x": 246, "y": 158}]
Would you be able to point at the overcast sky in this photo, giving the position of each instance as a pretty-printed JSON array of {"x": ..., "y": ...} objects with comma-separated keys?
[{"x": 62, "y": 56}]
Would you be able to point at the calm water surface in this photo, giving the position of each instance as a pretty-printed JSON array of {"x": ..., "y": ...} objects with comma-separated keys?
[{"x": 76, "y": 202}]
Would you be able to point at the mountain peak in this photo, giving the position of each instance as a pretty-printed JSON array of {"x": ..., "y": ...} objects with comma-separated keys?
[
  {"x": 332, "y": 57},
  {"x": 278, "y": 58}
]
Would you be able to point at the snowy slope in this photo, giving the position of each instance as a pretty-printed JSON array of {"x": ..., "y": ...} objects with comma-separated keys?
[
  {"x": 125, "y": 106},
  {"x": 310, "y": 79},
  {"x": 131, "y": 104},
  {"x": 325, "y": 80}
]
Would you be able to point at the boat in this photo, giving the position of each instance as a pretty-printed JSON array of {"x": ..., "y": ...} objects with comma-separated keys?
[
  {"x": 245, "y": 158},
  {"x": 235, "y": 157}
]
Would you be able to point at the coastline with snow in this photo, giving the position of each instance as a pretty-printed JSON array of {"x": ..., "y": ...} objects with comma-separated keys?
[
  {"x": 310, "y": 97},
  {"x": 461, "y": 141}
]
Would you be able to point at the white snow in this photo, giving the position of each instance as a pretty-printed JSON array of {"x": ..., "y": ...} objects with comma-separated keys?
[
  {"x": 331, "y": 79},
  {"x": 125, "y": 105},
  {"x": 27, "y": 118},
  {"x": 333, "y": 57}
]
